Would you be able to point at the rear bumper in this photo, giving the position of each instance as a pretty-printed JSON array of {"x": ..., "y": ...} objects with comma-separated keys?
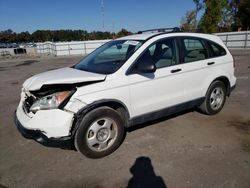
[{"x": 38, "y": 136}]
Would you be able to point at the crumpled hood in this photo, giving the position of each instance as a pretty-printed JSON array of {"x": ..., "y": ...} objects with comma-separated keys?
[{"x": 60, "y": 76}]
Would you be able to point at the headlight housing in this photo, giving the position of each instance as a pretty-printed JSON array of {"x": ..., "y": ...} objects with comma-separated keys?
[{"x": 50, "y": 101}]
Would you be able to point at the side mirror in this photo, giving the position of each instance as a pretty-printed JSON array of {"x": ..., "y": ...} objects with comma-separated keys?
[
  {"x": 146, "y": 68},
  {"x": 119, "y": 46}
]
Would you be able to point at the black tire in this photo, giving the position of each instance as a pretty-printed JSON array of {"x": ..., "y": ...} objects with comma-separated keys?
[
  {"x": 95, "y": 131},
  {"x": 210, "y": 108}
]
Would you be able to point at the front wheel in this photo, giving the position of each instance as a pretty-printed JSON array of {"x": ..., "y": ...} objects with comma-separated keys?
[
  {"x": 215, "y": 98},
  {"x": 100, "y": 133}
]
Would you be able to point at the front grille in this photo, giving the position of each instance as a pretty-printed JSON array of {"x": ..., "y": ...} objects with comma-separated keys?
[{"x": 28, "y": 102}]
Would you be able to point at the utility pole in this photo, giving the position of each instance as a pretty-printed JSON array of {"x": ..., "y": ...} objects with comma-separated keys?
[
  {"x": 113, "y": 30},
  {"x": 102, "y": 11}
]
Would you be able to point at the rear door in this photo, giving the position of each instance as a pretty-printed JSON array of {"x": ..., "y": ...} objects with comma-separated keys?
[{"x": 196, "y": 67}]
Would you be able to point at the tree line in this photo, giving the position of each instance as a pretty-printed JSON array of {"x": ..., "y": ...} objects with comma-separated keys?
[
  {"x": 8, "y": 36},
  {"x": 218, "y": 16}
]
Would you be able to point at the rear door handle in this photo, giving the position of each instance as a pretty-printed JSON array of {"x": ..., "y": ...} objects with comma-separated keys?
[
  {"x": 175, "y": 70},
  {"x": 210, "y": 63}
]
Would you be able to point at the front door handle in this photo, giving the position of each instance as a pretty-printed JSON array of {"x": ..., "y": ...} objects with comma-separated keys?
[
  {"x": 175, "y": 70},
  {"x": 210, "y": 63}
]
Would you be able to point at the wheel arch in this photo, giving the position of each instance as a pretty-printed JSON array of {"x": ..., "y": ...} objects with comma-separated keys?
[
  {"x": 117, "y": 105},
  {"x": 225, "y": 81}
]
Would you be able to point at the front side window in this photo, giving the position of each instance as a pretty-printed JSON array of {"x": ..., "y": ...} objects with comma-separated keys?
[
  {"x": 108, "y": 58},
  {"x": 194, "y": 50},
  {"x": 162, "y": 53}
]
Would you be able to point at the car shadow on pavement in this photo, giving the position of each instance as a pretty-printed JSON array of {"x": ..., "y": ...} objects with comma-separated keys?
[{"x": 144, "y": 175}]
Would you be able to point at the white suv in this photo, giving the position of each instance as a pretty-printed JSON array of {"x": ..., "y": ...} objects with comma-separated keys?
[{"x": 126, "y": 81}]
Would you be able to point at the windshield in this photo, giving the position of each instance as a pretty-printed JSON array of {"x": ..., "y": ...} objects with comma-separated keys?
[{"x": 110, "y": 57}]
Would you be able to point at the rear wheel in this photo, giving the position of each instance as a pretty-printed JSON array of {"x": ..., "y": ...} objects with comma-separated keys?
[
  {"x": 100, "y": 133},
  {"x": 215, "y": 98}
]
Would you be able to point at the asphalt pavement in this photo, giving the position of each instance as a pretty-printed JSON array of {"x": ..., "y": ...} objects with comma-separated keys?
[{"x": 188, "y": 150}]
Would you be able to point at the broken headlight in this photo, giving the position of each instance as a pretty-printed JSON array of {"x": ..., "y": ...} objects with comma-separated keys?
[{"x": 50, "y": 101}]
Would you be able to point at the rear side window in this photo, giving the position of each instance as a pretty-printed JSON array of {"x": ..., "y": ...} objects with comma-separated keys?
[
  {"x": 216, "y": 49},
  {"x": 194, "y": 50}
]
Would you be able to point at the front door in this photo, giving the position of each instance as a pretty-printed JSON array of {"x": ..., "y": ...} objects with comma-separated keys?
[{"x": 150, "y": 92}]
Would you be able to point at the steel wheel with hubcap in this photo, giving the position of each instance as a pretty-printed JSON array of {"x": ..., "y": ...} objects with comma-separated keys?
[
  {"x": 100, "y": 132},
  {"x": 215, "y": 98}
]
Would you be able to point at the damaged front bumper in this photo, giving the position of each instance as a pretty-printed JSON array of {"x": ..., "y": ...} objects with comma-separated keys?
[
  {"x": 62, "y": 142},
  {"x": 52, "y": 128}
]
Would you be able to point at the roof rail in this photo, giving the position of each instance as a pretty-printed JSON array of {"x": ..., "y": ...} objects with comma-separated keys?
[{"x": 174, "y": 29}]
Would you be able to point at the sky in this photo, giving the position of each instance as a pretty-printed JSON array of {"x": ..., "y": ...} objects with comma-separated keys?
[{"x": 134, "y": 15}]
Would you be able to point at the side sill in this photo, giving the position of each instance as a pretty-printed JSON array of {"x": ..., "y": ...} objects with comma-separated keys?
[{"x": 165, "y": 112}]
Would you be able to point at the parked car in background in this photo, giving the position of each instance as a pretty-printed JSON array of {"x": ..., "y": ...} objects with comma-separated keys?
[
  {"x": 30, "y": 45},
  {"x": 22, "y": 45},
  {"x": 125, "y": 82},
  {"x": 2, "y": 45},
  {"x": 9, "y": 45}
]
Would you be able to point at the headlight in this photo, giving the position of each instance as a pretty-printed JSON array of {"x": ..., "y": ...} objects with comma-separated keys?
[{"x": 50, "y": 101}]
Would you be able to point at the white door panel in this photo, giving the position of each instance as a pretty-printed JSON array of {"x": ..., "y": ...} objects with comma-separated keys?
[
  {"x": 151, "y": 92},
  {"x": 195, "y": 69},
  {"x": 195, "y": 75},
  {"x": 199, "y": 75}
]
